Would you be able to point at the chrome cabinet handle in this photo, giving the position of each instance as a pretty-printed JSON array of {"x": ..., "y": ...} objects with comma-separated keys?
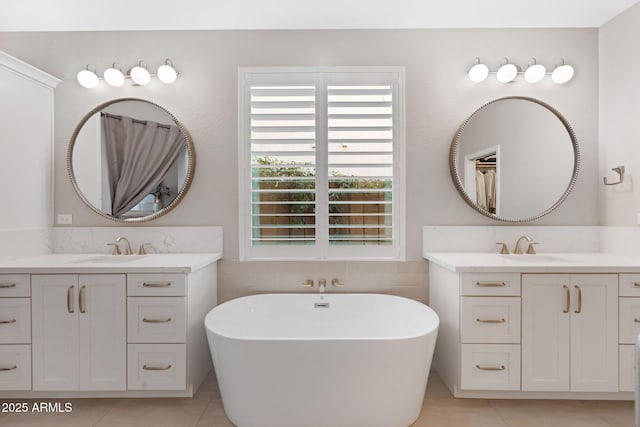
[
  {"x": 7, "y": 285},
  {"x": 491, "y": 368},
  {"x": 578, "y": 310},
  {"x": 4, "y": 322},
  {"x": 490, "y": 320},
  {"x": 82, "y": 297},
  {"x": 156, "y": 368},
  {"x": 156, "y": 284},
  {"x": 70, "y": 307},
  {"x": 491, "y": 284},
  {"x": 9, "y": 369},
  {"x": 167, "y": 320},
  {"x": 567, "y": 301}
]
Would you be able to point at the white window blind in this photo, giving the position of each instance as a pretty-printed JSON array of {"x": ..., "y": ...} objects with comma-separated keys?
[{"x": 320, "y": 163}]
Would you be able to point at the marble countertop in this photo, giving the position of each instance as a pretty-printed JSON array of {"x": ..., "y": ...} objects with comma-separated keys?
[
  {"x": 101, "y": 263},
  {"x": 588, "y": 262}
]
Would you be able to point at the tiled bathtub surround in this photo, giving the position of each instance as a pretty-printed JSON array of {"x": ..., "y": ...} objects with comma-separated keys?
[
  {"x": 239, "y": 278},
  {"x": 162, "y": 239}
]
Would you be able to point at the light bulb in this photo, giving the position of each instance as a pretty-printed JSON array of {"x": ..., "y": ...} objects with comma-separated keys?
[
  {"x": 562, "y": 74},
  {"x": 166, "y": 73},
  {"x": 478, "y": 73},
  {"x": 140, "y": 75},
  {"x": 87, "y": 79},
  {"x": 113, "y": 76},
  {"x": 535, "y": 73},
  {"x": 507, "y": 73}
]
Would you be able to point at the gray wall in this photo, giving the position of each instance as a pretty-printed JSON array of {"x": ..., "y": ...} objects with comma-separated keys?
[
  {"x": 619, "y": 114},
  {"x": 439, "y": 98}
]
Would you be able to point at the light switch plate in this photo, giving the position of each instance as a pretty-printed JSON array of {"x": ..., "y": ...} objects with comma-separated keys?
[{"x": 65, "y": 219}]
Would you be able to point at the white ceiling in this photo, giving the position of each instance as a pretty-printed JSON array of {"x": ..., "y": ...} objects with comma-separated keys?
[{"x": 108, "y": 15}]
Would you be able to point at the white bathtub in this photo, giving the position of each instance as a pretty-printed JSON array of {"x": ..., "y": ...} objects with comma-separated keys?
[{"x": 282, "y": 361}]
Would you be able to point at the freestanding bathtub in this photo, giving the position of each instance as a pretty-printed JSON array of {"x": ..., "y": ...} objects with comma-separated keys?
[{"x": 333, "y": 360}]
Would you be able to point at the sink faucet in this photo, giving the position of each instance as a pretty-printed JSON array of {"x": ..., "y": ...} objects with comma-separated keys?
[
  {"x": 517, "y": 249},
  {"x": 322, "y": 283},
  {"x": 127, "y": 249}
]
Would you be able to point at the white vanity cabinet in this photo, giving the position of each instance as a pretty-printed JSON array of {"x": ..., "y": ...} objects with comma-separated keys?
[
  {"x": 570, "y": 332},
  {"x": 15, "y": 332},
  {"x": 529, "y": 333},
  {"x": 79, "y": 332}
]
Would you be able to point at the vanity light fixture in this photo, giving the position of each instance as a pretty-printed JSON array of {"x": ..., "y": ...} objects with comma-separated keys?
[
  {"x": 139, "y": 75},
  {"x": 479, "y": 72},
  {"x": 166, "y": 73},
  {"x": 508, "y": 71},
  {"x": 562, "y": 74},
  {"x": 88, "y": 78},
  {"x": 535, "y": 72},
  {"x": 113, "y": 76}
]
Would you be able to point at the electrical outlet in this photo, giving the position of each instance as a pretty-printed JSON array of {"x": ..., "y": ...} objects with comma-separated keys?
[{"x": 65, "y": 219}]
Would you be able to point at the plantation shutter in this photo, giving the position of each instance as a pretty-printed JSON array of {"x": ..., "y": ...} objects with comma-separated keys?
[
  {"x": 320, "y": 163},
  {"x": 360, "y": 159},
  {"x": 282, "y": 126}
]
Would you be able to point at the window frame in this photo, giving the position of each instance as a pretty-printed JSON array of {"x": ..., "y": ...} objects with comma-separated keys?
[{"x": 247, "y": 251}]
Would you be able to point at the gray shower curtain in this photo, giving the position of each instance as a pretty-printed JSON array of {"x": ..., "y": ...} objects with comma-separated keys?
[{"x": 139, "y": 154}]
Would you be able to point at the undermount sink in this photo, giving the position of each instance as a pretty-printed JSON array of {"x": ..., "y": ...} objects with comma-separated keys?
[
  {"x": 527, "y": 258},
  {"x": 109, "y": 259}
]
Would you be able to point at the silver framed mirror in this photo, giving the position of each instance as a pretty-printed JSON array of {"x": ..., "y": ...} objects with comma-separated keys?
[
  {"x": 514, "y": 159},
  {"x": 130, "y": 160}
]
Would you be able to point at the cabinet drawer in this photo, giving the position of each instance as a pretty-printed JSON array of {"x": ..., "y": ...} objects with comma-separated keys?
[
  {"x": 15, "y": 285},
  {"x": 489, "y": 284},
  {"x": 15, "y": 320},
  {"x": 629, "y": 285},
  {"x": 157, "y": 367},
  {"x": 490, "y": 320},
  {"x": 626, "y": 367},
  {"x": 15, "y": 367},
  {"x": 165, "y": 285},
  {"x": 490, "y": 367},
  {"x": 629, "y": 313},
  {"x": 156, "y": 319}
]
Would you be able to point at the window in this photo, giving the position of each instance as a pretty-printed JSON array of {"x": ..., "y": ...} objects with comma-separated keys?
[{"x": 321, "y": 159}]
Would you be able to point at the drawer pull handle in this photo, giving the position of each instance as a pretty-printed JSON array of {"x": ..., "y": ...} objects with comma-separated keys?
[
  {"x": 4, "y": 322},
  {"x": 491, "y": 284},
  {"x": 7, "y": 285},
  {"x": 9, "y": 369},
  {"x": 491, "y": 320},
  {"x": 156, "y": 284},
  {"x": 167, "y": 320},
  {"x": 567, "y": 300},
  {"x": 578, "y": 310},
  {"x": 70, "y": 307},
  {"x": 636, "y": 320},
  {"x": 156, "y": 368},
  {"x": 491, "y": 368}
]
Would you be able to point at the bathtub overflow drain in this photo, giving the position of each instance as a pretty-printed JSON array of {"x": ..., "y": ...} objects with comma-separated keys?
[{"x": 321, "y": 305}]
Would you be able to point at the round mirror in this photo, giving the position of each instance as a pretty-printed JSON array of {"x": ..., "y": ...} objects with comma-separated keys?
[
  {"x": 514, "y": 159},
  {"x": 130, "y": 160}
]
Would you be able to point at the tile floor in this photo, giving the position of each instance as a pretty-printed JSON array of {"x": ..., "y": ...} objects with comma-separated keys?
[{"x": 439, "y": 410}]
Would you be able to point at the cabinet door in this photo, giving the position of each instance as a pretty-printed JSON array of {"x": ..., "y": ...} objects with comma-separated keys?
[
  {"x": 55, "y": 332},
  {"x": 545, "y": 332},
  {"x": 102, "y": 341},
  {"x": 594, "y": 332}
]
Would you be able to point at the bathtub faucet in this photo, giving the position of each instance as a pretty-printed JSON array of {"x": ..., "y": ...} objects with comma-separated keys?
[{"x": 322, "y": 284}]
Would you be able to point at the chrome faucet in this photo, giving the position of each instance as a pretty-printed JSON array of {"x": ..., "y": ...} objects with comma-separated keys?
[
  {"x": 127, "y": 249},
  {"x": 517, "y": 250}
]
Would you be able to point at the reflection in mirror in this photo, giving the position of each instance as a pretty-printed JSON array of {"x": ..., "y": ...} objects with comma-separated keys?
[
  {"x": 130, "y": 160},
  {"x": 514, "y": 159}
]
